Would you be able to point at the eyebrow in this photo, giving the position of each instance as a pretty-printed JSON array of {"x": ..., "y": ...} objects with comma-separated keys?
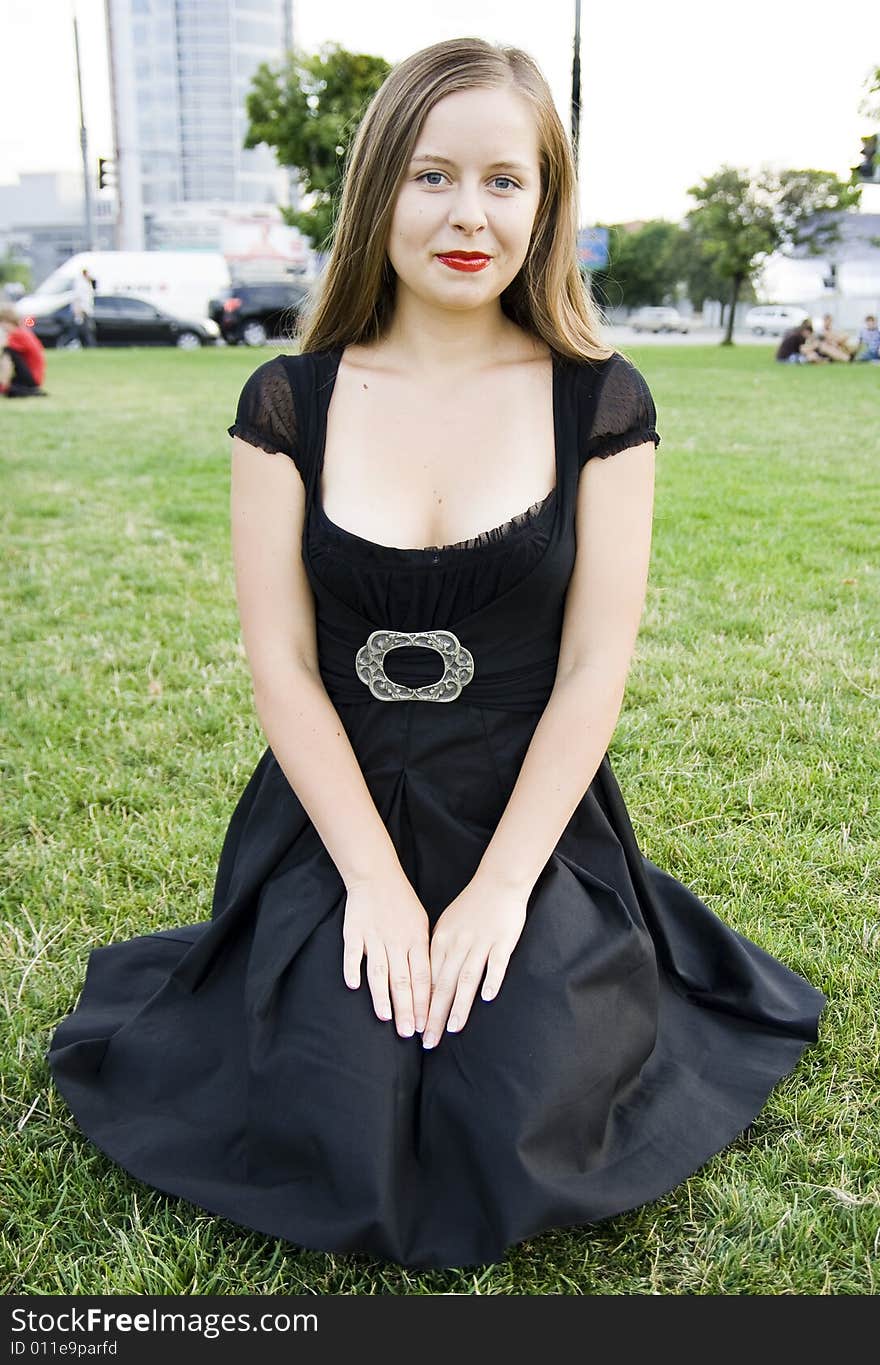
[{"x": 444, "y": 160}]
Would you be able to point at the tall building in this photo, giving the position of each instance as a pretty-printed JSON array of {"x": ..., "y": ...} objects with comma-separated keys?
[{"x": 179, "y": 72}]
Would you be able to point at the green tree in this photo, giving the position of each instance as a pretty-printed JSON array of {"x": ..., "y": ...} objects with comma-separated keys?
[
  {"x": 641, "y": 266},
  {"x": 15, "y": 272},
  {"x": 869, "y": 106},
  {"x": 739, "y": 222},
  {"x": 698, "y": 275},
  {"x": 657, "y": 263},
  {"x": 308, "y": 109}
]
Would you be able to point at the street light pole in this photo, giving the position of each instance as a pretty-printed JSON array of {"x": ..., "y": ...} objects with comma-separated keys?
[
  {"x": 576, "y": 90},
  {"x": 84, "y": 148}
]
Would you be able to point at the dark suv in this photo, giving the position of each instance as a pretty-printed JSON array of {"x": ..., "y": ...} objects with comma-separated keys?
[{"x": 253, "y": 313}]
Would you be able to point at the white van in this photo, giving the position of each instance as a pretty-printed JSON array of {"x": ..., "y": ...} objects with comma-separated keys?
[
  {"x": 181, "y": 282},
  {"x": 773, "y": 318}
]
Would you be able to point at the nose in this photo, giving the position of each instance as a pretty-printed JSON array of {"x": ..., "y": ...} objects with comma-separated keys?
[{"x": 466, "y": 211}]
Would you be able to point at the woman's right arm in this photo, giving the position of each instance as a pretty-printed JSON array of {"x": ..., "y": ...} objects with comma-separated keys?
[{"x": 384, "y": 917}]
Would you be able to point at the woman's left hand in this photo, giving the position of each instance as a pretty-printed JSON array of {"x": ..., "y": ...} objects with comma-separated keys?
[{"x": 476, "y": 932}]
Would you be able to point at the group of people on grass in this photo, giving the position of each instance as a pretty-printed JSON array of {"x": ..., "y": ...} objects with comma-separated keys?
[{"x": 802, "y": 346}]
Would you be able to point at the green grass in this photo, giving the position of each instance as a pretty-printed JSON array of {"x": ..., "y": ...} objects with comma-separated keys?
[{"x": 746, "y": 750}]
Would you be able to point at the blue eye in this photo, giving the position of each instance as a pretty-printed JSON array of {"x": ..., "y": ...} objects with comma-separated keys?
[{"x": 508, "y": 178}]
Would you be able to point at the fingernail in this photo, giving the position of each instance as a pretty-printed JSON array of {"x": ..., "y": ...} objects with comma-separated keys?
[
  {"x": 429, "y": 1040},
  {"x": 420, "y": 1024},
  {"x": 406, "y": 1031},
  {"x": 452, "y": 1024}
]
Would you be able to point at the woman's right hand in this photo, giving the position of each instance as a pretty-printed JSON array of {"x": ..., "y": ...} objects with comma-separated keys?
[{"x": 385, "y": 919}]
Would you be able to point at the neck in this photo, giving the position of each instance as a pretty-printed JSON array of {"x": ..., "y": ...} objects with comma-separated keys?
[{"x": 432, "y": 339}]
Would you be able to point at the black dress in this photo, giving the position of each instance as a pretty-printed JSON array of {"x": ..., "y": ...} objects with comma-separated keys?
[{"x": 635, "y": 1033}]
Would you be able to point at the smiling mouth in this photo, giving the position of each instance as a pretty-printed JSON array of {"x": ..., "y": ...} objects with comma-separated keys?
[{"x": 470, "y": 261}]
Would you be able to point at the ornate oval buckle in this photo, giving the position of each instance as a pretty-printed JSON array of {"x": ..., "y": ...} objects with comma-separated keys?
[{"x": 457, "y": 672}]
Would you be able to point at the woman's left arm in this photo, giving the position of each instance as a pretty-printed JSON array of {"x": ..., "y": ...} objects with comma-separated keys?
[{"x": 603, "y": 609}]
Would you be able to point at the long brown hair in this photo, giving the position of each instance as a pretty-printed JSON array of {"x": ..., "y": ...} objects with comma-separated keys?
[{"x": 548, "y": 298}]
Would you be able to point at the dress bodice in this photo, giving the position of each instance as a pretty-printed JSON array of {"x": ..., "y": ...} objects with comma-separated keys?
[
  {"x": 427, "y": 585},
  {"x": 600, "y": 407}
]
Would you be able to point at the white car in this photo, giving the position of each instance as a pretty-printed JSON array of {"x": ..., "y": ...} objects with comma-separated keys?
[
  {"x": 657, "y": 320},
  {"x": 773, "y": 318}
]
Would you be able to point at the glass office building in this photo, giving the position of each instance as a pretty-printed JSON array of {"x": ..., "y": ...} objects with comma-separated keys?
[{"x": 180, "y": 70}]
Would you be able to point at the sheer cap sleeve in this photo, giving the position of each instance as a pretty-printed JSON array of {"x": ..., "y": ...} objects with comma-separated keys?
[
  {"x": 624, "y": 414},
  {"x": 266, "y": 413}
]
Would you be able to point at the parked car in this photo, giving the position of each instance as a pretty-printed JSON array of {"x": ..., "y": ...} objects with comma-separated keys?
[
  {"x": 253, "y": 313},
  {"x": 657, "y": 320},
  {"x": 773, "y": 318},
  {"x": 124, "y": 321}
]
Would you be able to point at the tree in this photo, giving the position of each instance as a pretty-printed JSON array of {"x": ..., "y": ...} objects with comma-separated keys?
[
  {"x": 15, "y": 272},
  {"x": 308, "y": 110},
  {"x": 698, "y": 274},
  {"x": 869, "y": 108},
  {"x": 640, "y": 268},
  {"x": 655, "y": 263},
  {"x": 870, "y": 104},
  {"x": 739, "y": 222}
]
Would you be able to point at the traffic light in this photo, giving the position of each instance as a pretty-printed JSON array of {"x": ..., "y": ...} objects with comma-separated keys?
[
  {"x": 868, "y": 168},
  {"x": 106, "y": 173}
]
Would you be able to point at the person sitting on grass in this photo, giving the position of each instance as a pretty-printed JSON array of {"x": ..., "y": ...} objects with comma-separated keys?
[
  {"x": 833, "y": 344},
  {"x": 798, "y": 346},
  {"x": 22, "y": 358},
  {"x": 869, "y": 341}
]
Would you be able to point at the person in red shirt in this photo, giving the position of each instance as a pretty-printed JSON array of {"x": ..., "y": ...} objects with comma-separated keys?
[{"x": 22, "y": 358}]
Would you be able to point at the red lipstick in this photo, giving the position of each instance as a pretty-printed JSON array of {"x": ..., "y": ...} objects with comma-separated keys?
[{"x": 469, "y": 261}]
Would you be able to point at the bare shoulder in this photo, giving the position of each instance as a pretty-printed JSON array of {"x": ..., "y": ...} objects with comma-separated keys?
[{"x": 361, "y": 356}]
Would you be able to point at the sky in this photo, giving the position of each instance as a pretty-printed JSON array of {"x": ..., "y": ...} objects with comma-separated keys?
[{"x": 669, "y": 91}]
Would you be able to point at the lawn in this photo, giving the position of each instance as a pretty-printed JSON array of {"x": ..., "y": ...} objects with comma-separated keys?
[{"x": 747, "y": 751}]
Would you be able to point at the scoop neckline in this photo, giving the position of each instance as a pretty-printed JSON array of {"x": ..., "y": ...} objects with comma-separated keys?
[{"x": 523, "y": 520}]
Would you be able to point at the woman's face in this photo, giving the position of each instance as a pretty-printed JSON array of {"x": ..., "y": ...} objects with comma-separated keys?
[{"x": 473, "y": 185}]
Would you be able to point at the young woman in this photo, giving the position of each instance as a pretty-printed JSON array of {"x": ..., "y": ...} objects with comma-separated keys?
[{"x": 443, "y": 1001}]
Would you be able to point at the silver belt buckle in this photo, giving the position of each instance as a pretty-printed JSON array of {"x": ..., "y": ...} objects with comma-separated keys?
[{"x": 457, "y": 672}]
